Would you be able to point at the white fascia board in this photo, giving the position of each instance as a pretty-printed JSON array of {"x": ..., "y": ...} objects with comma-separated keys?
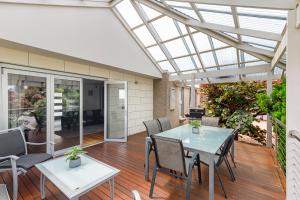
[
  {"x": 268, "y": 4},
  {"x": 220, "y": 73},
  {"x": 72, "y": 3}
]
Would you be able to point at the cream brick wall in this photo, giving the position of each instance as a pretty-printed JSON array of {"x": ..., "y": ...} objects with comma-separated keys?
[{"x": 140, "y": 89}]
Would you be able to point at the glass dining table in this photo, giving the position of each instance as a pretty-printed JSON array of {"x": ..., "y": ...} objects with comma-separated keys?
[{"x": 208, "y": 140}]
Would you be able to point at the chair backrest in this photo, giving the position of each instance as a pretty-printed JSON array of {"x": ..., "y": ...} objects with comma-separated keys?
[
  {"x": 169, "y": 154},
  {"x": 12, "y": 142},
  {"x": 152, "y": 127},
  {"x": 164, "y": 123},
  {"x": 226, "y": 147},
  {"x": 136, "y": 195},
  {"x": 210, "y": 121}
]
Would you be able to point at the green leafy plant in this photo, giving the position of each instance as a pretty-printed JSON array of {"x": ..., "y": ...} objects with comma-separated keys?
[
  {"x": 274, "y": 104},
  {"x": 74, "y": 153},
  {"x": 195, "y": 123},
  {"x": 241, "y": 117}
]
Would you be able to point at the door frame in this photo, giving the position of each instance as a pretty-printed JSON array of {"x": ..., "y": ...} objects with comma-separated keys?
[
  {"x": 106, "y": 110},
  {"x": 4, "y": 88},
  {"x": 51, "y": 138}
]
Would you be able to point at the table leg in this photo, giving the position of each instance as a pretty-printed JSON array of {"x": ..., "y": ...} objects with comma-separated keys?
[
  {"x": 112, "y": 188},
  {"x": 211, "y": 177},
  {"x": 232, "y": 152},
  {"x": 42, "y": 186},
  {"x": 147, "y": 149}
]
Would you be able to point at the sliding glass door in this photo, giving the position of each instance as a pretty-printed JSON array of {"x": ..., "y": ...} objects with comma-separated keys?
[
  {"x": 66, "y": 113},
  {"x": 116, "y": 111},
  {"x": 26, "y": 96}
]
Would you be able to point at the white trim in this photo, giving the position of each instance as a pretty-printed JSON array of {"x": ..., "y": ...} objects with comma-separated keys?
[
  {"x": 70, "y": 3},
  {"x": 125, "y": 113},
  {"x": 298, "y": 17},
  {"x": 280, "y": 51},
  {"x": 270, "y": 4},
  {"x": 220, "y": 73}
]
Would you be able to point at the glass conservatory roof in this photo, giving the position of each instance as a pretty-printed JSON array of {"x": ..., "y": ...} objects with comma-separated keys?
[{"x": 182, "y": 49}]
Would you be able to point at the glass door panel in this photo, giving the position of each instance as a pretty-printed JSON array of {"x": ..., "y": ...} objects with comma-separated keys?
[
  {"x": 26, "y": 100},
  {"x": 116, "y": 111},
  {"x": 66, "y": 112}
]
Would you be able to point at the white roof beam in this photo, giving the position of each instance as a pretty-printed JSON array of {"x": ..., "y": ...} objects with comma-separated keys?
[
  {"x": 76, "y": 3},
  {"x": 233, "y": 80},
  {"x": 268, "y": 4},
  {"x": 298, "y": 17},
  {"x": 186, "y": 20},
  {"x": 280, "y": 51},
  {"x": 221, "y": 73}
]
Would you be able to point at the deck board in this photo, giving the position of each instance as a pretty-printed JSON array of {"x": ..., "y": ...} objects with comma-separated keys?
[{"x": 256, "y": 175}]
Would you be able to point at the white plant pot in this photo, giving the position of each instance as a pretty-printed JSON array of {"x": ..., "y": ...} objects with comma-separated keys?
[
  {"x": 195, "y": 130},
  {"x": 75, "y": 163}
]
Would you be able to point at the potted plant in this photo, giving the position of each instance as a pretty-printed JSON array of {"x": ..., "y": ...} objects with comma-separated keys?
[
  {"x": 73, "y": 156},
  {"x": 195, "y": 125}
]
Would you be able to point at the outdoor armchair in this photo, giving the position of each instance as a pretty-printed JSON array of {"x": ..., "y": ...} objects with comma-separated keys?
[{"x": 14, "y": 156}]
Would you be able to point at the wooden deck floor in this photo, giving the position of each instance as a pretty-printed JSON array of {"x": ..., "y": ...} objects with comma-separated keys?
[{"x": 256, "y": 174}]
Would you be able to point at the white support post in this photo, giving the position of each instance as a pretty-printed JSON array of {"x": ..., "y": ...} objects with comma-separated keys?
[
  {"x": 193, "y": 93},
  {"x": 298, "y": 17},
  {"x": 293, "y": 109},
  {"x": 269, "y": 120}
]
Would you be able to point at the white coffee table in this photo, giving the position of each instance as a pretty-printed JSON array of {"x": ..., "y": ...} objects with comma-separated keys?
[{"x": 75, "y": 182}]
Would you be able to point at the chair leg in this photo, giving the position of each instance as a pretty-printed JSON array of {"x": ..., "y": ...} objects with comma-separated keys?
[
  {"x": 229, "y": 169},
  {"x": 199, "y": 169},
  {"x": 153, "y": 181},
  {"x": 231, "y": 156},
  {"x": 188, "y": 184},
  {"x": 221, "y": 183},
  {"x": 15, "y": 179}
]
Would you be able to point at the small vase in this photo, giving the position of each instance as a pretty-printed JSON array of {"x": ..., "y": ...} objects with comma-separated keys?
[
  {"x": 195, "y": 130},
  {"x": 75, "y": 163}
]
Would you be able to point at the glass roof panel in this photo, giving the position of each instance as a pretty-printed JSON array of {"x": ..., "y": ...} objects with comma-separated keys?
[
  {"x": 218, "y": 18},
  {"x": 208, "y": 59},
  {"x": 199, "y": 66},
  {"x": 278, "y": 71},
  {"x": 262, "y": 12},
  {"x": 264, "y": 42},
  {"x": 189, "y": 12},
  {"x": 128, "y": 13},
  {"x": 150, "y": 12},
  {"x": 157, "y": 53},
  {"x": 176, "y": 48},
  {"x": 190, "y": 44},
  {"x": 214, "y": 7},
  {"x": 227, "y": 56},
  {"x": 218, "y": 43},
  {"x": 248, "y": 57},
  {"x": 165, "y": 28},
  {"x": 165, "y": 65},
  {"x": 185, "y": 63},
  {"x": 182, "y": 28},
  {"x": 201, "y": 41},
  {"x": 262, "y": 47},
  {"x": 144, "y": 35},
  {"x": 258, "y": 23}
]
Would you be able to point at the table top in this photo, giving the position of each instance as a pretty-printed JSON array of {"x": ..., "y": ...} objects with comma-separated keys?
[
  {"x": 75, "y": 181},
  {"x": 209, "y": 139}
]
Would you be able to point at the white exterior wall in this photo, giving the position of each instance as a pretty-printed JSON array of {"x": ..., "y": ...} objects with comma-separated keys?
[
  {"x": 293, "y": 108},
  {"x": 92, "y": 34},
  {"x": 140, "y": 95}
]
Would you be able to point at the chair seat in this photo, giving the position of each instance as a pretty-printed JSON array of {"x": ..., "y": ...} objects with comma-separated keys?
[
  {"x": 27, "y": 161},
  {"x": 204, "y": 158}
]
